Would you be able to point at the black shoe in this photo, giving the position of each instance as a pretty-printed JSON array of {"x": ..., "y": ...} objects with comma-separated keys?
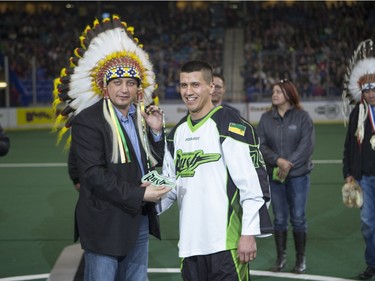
[
  {"x": 368, "y": 274},
  {"x": 279, "y": 264},
  {"x": 300, "y": 265}
]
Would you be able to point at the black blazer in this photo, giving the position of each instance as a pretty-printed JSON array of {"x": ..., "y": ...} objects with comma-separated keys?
[
  {"x": 110, "y": 203},
  {"x": 355, "y": 154}
]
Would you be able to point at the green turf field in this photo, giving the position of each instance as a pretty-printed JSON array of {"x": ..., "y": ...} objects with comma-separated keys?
[{"x": 38, "y": 200}]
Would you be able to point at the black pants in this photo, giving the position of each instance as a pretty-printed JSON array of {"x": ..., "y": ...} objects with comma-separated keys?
[{"x": 221, "y": 266}]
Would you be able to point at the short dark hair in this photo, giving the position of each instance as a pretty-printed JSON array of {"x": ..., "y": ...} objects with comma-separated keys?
[
  {"x": 198, "y": 65},
  {"x": 220, "y": 76}
]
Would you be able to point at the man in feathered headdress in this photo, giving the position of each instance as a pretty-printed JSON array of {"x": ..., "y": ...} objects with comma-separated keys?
[
  {"x": 359, "y": 150},
  {"x": 114, "y": 142}
]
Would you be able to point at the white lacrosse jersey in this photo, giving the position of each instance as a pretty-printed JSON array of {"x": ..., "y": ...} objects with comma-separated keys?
[{"x": 222, "y": 186}]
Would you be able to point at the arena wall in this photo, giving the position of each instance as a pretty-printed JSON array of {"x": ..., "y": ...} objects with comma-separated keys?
[{"x": 42, "y": 117}]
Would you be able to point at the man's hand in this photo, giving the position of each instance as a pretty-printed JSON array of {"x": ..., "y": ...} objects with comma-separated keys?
[
  {"x": 154, "y": 118},
  {"x": 247, "y": 248},
  {"x": 77, "y": 186},
  {"x": 154, "y": 193},
  {"x": 349, "y": 179}
]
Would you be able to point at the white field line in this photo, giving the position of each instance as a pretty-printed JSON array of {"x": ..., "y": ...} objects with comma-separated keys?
[
  {"x": 177, "y": 270},
  {"x": 296, "y": 276},
  {"x": 26, "y": 277},
  {"x": 327, "y": 161},
  {"x": 174, "y": 270},
  {"x": 32, "y": 165}
]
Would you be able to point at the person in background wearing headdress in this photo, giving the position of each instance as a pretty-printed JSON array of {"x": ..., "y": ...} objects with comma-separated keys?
[
  {"x": 359, "y": 151},
  {"x": 221, "y": 184},
  {"x": 4, "y": 142},
  {"x": 287, "y": 139},
  {"x": 219, "y": 92},
  {"x": 114, "y": 142}
]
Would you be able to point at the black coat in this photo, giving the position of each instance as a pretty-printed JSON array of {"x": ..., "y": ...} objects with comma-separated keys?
[
  {"x": 359, "y": 159},
  {"x": 110, "y": 203}
]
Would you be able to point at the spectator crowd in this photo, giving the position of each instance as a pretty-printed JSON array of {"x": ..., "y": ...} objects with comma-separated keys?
[{"x": 317, "y": 37}]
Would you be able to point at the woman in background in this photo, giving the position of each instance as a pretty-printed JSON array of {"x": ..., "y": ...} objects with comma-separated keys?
[{"x": 287, "y": 138}]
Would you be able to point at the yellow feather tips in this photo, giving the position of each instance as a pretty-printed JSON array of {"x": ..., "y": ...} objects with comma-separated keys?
[
  {"x": 55, "y": 103},
  {"x": 87, "y": 29},
  {"x": 130, "y": 29},
  {"x": 55, "y": 94},
  {"x": 82, "y": 41},
  {"x": 61, "y": 133},
  {"x": 71, "y": 62},
  {"x": 106, "y": 20},
  {"x": 96, "y": 22},
  {"x": 56, "y": 83},
  {"x": 63, "y": 72},
  {"x": 156, "y": 100},
  {"x": 67, "y": 144},
  {"x": 76, "y": 53},
  {"x": 58, "y": 122}
]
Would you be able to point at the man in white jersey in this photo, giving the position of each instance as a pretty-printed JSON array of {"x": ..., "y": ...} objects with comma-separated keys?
[{"x": 222, "y": 186}]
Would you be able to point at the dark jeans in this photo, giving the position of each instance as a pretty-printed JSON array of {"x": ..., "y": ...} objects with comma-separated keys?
[
  {"x": 289, "y": 198},
  {"x": 132, "y": 267},
  {"x": 368, "y": 218}
]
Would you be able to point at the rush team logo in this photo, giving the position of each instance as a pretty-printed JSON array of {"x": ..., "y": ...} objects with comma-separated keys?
[{"x": 186, "y": 163}]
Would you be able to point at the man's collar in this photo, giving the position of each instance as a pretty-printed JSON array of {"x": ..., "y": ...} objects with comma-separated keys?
[{"x": 131, "y": 112}]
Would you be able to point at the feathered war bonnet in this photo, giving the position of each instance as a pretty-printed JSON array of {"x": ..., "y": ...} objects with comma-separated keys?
[
  {"x": 108, "y": 50},
  {"x": 360, "y": 76}
]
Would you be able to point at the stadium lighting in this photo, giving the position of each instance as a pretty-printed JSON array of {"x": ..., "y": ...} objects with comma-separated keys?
[
  {"x": 105, "y": 15},
  {"x": 3, "y": 84}
]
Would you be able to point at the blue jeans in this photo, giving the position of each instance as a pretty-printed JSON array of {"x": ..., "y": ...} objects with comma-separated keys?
[
  {"x": 132, "y": 267},
  {"x": 368, "y": 218},
  {"x": 287, "y": 198}
]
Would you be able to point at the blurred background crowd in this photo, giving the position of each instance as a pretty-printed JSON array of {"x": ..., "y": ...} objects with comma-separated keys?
[{"x": 306, "y": 41}]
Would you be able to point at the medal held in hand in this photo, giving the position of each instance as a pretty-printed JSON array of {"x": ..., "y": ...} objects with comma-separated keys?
[
  {"x": 153, "y": 176},
  {"x": 157, "y": 180}
]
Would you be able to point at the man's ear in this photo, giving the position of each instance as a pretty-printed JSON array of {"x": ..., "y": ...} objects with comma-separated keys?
[{"x": 212, "y": 86}]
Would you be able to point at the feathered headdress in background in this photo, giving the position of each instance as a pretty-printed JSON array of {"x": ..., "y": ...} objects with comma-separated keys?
[
  {"x": 108, "y": 50},
  {"x": 360, "y": 76}
]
